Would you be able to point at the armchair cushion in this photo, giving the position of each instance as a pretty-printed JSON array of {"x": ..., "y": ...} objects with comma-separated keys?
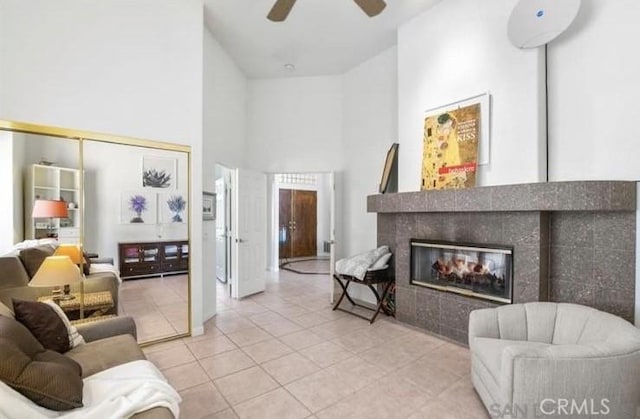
[
  {"x": 32, "y": 257},
  {"x": 105, "y": 353},
  {"x": 12, "y": 272}
]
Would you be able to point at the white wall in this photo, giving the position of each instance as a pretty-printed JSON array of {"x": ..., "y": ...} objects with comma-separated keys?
[
  {"x": 317, "y": 124},
  {"x": 104, "y": 227},
  {"x": 224, "y": 107},
  {"x": 115, "y": 66},
  {"x": 12, "y": 173},
  {"x": 295, "y": 125},
  {"x": 593, "y": 94},
  {"x": 370, "y": 126},
  {"x": 458, "y": 49},
  {"x": 224, "y": 140}
]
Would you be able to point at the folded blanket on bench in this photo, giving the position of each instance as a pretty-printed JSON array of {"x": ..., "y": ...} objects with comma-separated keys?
[{"x": 358, "y": 265}]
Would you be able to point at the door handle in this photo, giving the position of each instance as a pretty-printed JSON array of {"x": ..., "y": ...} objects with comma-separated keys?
[{"x": 240, "y": 241}]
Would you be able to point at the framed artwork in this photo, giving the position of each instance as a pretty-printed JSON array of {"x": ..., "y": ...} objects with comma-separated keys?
[
  {"x": 455, "y": 143},
  {"x": 208, "y": 206},
  {"x": 388, "y": 166},
  {"x": 138, "y": 207},
  {"x": 159, "y": 172},
  {"x": 484, "y": 131},
  {"x": 173, "y": 208}
]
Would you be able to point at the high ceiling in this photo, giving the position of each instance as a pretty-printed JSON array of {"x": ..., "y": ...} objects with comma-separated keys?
[{"x": 320, "y": 37}]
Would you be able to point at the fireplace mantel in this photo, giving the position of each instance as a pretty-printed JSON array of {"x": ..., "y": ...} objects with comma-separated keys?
[{"x": 551, "y": 196}]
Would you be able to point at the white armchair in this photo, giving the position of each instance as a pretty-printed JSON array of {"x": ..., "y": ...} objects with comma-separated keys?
[{"x": 555, "y": 360}]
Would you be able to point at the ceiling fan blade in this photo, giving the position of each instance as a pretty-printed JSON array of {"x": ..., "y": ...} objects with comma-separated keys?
[
  {"x": 371, "y": 7},
  {"x": 280, "y": 10}
]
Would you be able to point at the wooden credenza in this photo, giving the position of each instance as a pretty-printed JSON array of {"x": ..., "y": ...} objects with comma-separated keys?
[{"x": 142, "y": 259}]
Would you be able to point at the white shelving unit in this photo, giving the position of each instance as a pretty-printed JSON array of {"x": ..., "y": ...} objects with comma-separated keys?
[{"x": 55, "y": 183}]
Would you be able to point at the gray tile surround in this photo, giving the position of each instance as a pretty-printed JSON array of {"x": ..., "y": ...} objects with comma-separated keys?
[
  {"x": 552, "y": 196},
  {"x": 584, "y": 257}
]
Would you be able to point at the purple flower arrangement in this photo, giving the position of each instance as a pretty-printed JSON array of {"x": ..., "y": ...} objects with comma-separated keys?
[
  {"x": 176, "y": 204},
  {"x": 137, "y": 204}
]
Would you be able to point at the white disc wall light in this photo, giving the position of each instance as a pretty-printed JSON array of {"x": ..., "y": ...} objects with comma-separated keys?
[{"x": 537, "y": 22}]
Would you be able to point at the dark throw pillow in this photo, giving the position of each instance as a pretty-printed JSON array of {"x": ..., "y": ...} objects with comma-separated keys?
[
  {"x": 32, "y": 257},
  {"x": 47, "y": 378},
  {"x": 44, "y": 323}
]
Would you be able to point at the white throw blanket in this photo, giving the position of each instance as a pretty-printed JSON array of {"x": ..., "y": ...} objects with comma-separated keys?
[
  {"x": 115, "y": 393},
  {"x": 105, "y": 267},
  {"x": 358, "y": 265}
]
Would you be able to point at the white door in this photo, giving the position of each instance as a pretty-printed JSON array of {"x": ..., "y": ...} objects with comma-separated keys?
[
  {"x": 249, "y": 233},
  {"x": 332, "y": 232},
  {"x": 221, "y": 233}
]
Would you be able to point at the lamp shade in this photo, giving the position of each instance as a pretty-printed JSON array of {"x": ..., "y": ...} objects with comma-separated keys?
[
  {"x": 56, "y": 271},
  {"x": 71, "y": 250},
  {"x": 44, "y": 208}
]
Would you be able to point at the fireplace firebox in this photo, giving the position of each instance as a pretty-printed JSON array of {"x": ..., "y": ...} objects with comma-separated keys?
[{"x": 480, "y": 271}]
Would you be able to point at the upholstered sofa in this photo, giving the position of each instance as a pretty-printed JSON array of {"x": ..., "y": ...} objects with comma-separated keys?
[
  {"x": 555, "y": 360},
  {"x": 18, "y": 267},
  {"x": 109, "y": 343}
]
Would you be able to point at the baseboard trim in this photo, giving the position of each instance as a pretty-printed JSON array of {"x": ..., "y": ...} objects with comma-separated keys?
[{"x": 197, "y": 331}]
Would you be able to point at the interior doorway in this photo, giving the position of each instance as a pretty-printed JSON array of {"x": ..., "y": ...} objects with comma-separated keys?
[
  {"x": 301, "y": 223},
  {"x": 224, "y": 255}
]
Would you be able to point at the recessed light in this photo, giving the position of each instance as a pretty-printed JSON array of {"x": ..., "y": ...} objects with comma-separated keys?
[{"x": 289, "y": 67}]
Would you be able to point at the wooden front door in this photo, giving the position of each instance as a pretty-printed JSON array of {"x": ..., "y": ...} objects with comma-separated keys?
[
  {"x": 298, "y": 223},
  {"x": 286, "y": 224}
]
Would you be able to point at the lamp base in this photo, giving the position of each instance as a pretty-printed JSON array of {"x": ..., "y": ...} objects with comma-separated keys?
[
  {"x": 60, "y": 295},
  {"x": 67, "y": 293}
]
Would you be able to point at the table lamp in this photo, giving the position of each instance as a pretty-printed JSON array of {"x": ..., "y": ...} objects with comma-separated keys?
[
  {"x": 45, "y": 208},
  {"x": 73, "y": 251},
  {"x": 54, "y": 272}
]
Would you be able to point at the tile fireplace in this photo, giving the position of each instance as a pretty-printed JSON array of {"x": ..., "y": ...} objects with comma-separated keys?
[
  {"x": 571, "y": 242},
  {"x": 474, "y": 270}
]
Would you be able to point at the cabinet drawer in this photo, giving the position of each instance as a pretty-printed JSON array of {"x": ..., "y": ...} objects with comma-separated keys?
[
  {"x": 175, "y": 266},
  {"x": 146, "y": 269}
]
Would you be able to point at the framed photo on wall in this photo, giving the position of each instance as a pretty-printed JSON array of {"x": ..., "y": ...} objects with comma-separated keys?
[
  {"x": 173, "y": 208},
  {"x": 138, "y": 207},
  {"x": 159, "y": 172},
  {"x": 208, "y": 206},
  {"x": 455, "y": 143}
]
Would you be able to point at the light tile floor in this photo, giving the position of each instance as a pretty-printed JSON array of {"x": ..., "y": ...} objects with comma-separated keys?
[
  {"x": 159, "y": 305},
  {"x": 286, "y": 354}
]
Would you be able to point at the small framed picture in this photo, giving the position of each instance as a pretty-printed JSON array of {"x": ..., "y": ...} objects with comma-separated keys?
[
  {"x": 208, "y": 206},
  {"x": 159, "y": 172},
  {"x": 138, "y": 207},
  {"x": 173, "y": 208},
  {"x": 388, "y": 166}
]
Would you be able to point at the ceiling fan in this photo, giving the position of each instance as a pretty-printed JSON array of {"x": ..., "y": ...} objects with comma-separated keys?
[{"x": 281, "y": 8}]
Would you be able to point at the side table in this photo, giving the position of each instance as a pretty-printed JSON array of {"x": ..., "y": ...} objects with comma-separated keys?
[{"x": 95, "y": 303}]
